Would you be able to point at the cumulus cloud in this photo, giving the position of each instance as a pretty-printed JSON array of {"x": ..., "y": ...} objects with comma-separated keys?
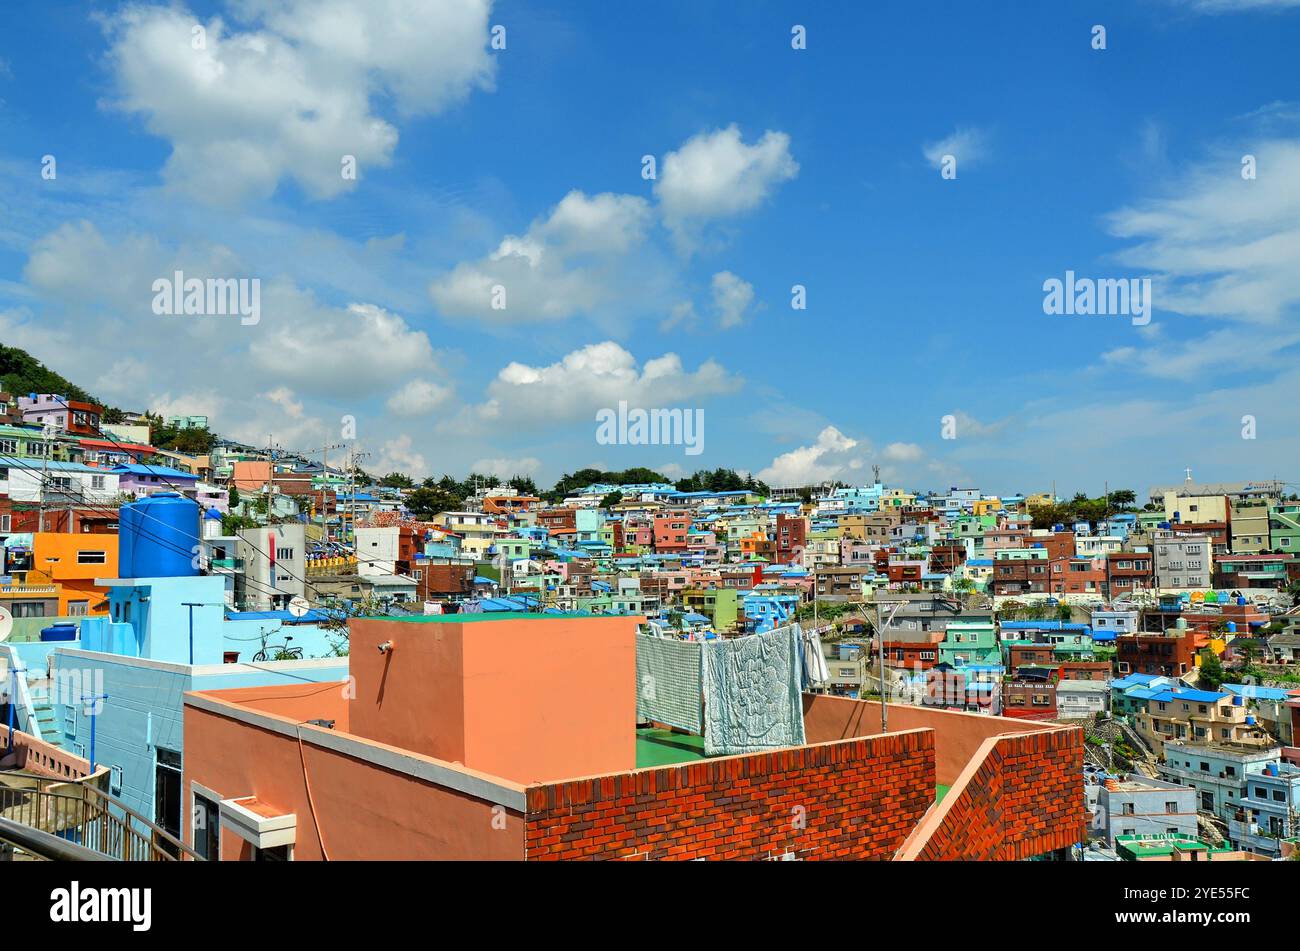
[
  {"x": 902, "y": 452},
  {"x": 399, "y": 455},
  {"x": 418, "y": 398},
  {"x": 965, "y": 145},
  {"x": 292, "y": 93},
  {"x": 826, "y": 459},
  {"x": 732, "y": 297},
  {"x": 567, "y": 262},
  {"x": 717, "y": 175},
  {"x": 597, "y": 376}
]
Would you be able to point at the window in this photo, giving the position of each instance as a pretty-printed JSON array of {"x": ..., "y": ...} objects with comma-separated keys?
[
  {"x": 284, "y": 554},
  {"x": 92, "y": 557},
  {"x": 1129, "y": 809},
  {"x": 1171, "y": 807},
  {"x": 97, "y": 482},
  {"x": 78, "y": 608},
  {"x": 70, "y": 719},
  {"x": 207, "y": 827},
  {"x": 27, "y": 608},
  {"x": 115, "y": 780},
  {"x": 9, "y": 447}
]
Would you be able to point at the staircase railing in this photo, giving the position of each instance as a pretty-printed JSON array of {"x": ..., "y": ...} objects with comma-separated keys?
[{"x": 87, "y": 816}]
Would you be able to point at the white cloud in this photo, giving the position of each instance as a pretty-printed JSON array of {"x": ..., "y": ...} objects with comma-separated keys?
[
  {"x": 504, "y": 468},
  {"x": 597, "y": 376},
  {"x": 903, "y": 452},
  {"x": 398, "y": 455},
  {"x": 716, "y": 175},
  {"x": 826, "y": 459},
  {"x": 732, "y": 297},
  {"x": 359, "y": 349},
  {"x": 1238, "y": 6},
  {"x": 418, "y": 398},
  {"x": 566, "y": 263},
  {"x": 289, "y": 99},
  {"x": 965, "y": 145},
  {"x": 1222, "y": 246}
]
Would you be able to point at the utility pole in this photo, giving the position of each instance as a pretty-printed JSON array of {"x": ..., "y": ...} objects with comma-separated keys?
[{"x": 45, "y": 471}]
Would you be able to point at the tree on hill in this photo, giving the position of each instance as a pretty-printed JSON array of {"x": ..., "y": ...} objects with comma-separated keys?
[{"x": 21, "y": 373}]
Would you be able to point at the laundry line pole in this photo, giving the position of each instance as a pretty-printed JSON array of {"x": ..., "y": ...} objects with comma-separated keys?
[{"x": 880, "y": 652}]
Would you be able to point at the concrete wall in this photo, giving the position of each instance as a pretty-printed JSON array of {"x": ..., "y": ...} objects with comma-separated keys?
[
  {"x": 531, "y": 699},
  {"x": 347, "y": 805}
]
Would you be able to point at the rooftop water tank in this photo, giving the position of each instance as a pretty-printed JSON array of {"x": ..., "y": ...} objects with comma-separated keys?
[
  {"x": 66, "y": 631},
  {"x": 1232, "y": 627},
  {"x": 159, "y": 535},
  {"x": 1240, "y": 600},
  {"x": 1250, "y": 721}
]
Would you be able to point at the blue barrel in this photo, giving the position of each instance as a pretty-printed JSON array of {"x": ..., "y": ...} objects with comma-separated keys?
[{"x": 158, "y": 537}]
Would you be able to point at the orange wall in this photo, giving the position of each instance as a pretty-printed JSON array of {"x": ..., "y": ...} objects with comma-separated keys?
[
  {"x": 528, "y": 699},
  {"x": 359, "y": 810},
  {"x": 412, "y": 697},
  {"x": 76, "y": 581},
  {"x": 550, "y": 699}
]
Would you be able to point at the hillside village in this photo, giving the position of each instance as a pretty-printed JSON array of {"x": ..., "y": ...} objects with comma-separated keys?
[{"x": 1149, "y": 639}]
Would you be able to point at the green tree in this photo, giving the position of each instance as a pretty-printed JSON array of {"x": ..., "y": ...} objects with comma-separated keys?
[
  {"x": 397, "y": 480},
  {"x": 1123, "y": 499},
  {"x": 1211, "y": 676},
  {"x": 425, "y": 503}
]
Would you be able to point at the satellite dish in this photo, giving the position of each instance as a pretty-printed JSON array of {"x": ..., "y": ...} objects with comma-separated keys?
[
  {"x": 298, "y": 606},
  {"x": 6, "y": 623}
]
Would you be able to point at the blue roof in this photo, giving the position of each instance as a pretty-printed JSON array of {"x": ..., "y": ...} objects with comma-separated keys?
[
  {"x": 311, "y": 616},
  {"x": 1193, "y": 696}
]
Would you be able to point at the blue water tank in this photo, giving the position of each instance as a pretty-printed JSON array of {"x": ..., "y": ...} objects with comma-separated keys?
[
  {"x": 59, "y": 632},
  {"x": 158, "y": 536},
  {"x": 1232, "y": 627}
]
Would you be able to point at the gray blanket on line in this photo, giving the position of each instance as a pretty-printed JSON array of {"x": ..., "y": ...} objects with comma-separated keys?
[{"x": 752, "y": 696}]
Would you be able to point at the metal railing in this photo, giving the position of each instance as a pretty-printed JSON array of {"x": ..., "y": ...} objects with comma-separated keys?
[{"x": 83, "y": 815}]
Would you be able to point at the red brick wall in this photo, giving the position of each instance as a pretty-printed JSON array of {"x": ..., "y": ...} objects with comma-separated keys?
[
  {"x": 1025, "y": 799},
  {"x": 860, "y": 799}
]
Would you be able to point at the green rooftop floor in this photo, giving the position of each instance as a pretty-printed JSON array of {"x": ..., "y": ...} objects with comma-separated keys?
[{"x": 666, "y": 748}]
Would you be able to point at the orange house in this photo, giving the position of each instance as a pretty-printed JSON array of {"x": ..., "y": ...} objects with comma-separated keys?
[{"x": 72, "y": 563}]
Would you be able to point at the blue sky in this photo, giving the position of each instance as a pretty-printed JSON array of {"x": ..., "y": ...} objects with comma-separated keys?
[{"x": 522, "y": 168}]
